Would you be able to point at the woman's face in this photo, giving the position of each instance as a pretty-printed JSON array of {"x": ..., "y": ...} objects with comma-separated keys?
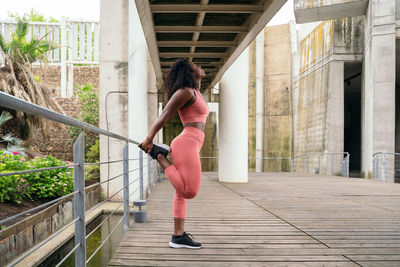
[{"x": 198, "y": 71}]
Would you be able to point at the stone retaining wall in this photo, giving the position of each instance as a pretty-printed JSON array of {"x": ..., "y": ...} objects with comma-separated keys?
[{"x": 23, "y": 235}]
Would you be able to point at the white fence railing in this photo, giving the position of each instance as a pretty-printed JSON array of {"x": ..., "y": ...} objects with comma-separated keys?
[
  {"x": 78, "y": 42},
  {"x": 386, "y": 167}
]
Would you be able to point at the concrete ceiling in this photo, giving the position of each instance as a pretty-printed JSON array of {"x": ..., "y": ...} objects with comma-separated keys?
[{"x": 212, "y": 33}]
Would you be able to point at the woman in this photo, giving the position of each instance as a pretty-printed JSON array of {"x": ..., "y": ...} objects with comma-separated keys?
[{"x": 182, "y": 86}]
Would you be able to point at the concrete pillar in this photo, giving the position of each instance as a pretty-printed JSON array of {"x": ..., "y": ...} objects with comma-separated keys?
[
  {"x": 378, "y": 93},
  {"x": 113, "y": 69},
  {"x": 259, "y": 100},
  {"x": 335, "y": 108},
  {"x": 138, "y": 88},
  {"x": 233, "y": 125}
]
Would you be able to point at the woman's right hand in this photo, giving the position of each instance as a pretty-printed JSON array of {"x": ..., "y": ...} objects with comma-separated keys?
[{"x": 146, "y": 145}]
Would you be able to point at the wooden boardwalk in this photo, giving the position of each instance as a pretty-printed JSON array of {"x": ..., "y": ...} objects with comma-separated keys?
[{"x": 274, "y": 220}]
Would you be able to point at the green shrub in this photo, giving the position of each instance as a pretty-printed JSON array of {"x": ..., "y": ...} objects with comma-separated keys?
[
  {"x": 89, "y": 113},
  {"x": 37, "y": 185}
]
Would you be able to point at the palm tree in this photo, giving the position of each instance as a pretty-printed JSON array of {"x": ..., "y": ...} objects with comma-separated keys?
[{"x": 17, "y": 79}]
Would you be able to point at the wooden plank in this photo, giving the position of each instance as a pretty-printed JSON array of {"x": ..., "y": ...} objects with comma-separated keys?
[{"x": 270, "y": 220}]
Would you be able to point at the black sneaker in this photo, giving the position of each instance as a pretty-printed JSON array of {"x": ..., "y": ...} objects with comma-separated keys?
[
  {"x": 184, "y": 241},
  {"x": 159, "y": 149}
]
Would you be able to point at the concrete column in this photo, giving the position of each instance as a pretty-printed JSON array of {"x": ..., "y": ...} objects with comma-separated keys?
[
  {"x": 335, "y": 113},
  {"x": 138, "y": 88},
  {"x": 335, "y": 108},
  {"x": 378, "y": 93},
  {"x": 233, "y": 125},
  {"x": 259, "y": 100},
  {"x": 113, "y": 88}
]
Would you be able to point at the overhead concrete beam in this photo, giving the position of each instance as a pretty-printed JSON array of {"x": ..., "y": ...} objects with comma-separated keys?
[
  {"x": 195, "y": 43},
  {"x": 209, "y": 29},
  {"x": 311, "y": 10},
  {"x": 197, "y": 55},
  {"x": 206, "y": 8},
  {"x": 146, "y": 18}
]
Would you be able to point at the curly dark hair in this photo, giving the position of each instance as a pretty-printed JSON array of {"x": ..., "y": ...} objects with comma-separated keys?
[{"x": 180, "y": 75}]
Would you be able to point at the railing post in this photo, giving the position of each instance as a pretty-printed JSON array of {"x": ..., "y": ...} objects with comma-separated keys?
[
  {"x": 308, "y": 164},
  {"x": 79, "y": 201},
  {"x": 331, "y": 164},
  {"x": 383, "y": 167},
  {"x": 319, "y": 163},
  {"x": 377, "y": 166},
  {"x": 154, "y": 173},
  {"x": 148, "y": 175},
  {"x": 126, "y": 187},
  {"x": 291, "y": 165},
  {"x": 141, "y": 173},
  {"x": 348, "y": 165},
  {"x": 159, "y": 179}
]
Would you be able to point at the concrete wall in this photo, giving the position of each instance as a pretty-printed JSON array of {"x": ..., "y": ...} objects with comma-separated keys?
[
  {"x": 277, "y": 97},
  {"x": 21, "y": 236},
  {"x": 378, "y": 93},
  {"x": 318, "y": 96},
  {"x": 311, "y": 10}
]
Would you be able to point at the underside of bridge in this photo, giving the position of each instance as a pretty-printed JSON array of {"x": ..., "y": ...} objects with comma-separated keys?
[{"x": 212, "y": 33}]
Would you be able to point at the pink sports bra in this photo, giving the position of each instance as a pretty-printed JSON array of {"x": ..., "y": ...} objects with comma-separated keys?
[{"x": 196, "y": 112}]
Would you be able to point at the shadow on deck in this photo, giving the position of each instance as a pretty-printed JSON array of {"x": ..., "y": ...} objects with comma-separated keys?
[{"x": 274, "y": 220}]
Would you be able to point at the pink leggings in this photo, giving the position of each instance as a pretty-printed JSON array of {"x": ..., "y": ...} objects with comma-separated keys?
[{"x": 185, "y": 173}]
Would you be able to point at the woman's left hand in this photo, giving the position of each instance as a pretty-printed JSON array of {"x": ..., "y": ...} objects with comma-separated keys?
[{"x": 146, "y": 145}]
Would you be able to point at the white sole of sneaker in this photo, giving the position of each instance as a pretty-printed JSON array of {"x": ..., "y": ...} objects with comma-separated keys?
[
  {"x": 166, "y": 147},
  {"x": 173, "y": 245}
]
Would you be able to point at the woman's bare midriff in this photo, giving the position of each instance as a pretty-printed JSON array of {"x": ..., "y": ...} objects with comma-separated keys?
[{"x": 198, "y": 125}]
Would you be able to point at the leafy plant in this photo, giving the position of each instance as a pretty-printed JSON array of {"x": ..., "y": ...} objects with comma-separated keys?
[
  {"x": 37, "y": 185},
  {"x": 17, "y": 79},
  {"x": 89, "y": 113},
  {"x": 22, "y": 51}
]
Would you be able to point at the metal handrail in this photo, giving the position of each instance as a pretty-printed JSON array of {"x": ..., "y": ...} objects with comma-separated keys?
[
  {"x": 79, "y": 164},
  {"x": 381, "y": 170},
  {"x": 37, "y": 170},
  {"x": 15, "y": 103}
]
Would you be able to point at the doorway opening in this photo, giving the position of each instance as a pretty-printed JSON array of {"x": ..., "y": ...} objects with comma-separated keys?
[{"x": 352, "y": 115}]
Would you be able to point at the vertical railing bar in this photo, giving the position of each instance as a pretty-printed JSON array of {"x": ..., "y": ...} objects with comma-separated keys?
[
  {"x": 126, "y": 187},
  {"x": 154, "y": 172},
  {"x": 148, "y": 175},
  {"x": 319, "y": 163},
  {"x": 141, "y": 173},
  {"x": 79, "y": 201},
  {"x": 384, "y": 167}
]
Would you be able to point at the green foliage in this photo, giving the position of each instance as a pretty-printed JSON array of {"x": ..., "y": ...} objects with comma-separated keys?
[
  {"x": 33, "y": 15},
  {"x": 22, "y": 51},
  {"x": 89, "y": 113},
  {"x": 37, "y": 185},
  {"x": 92, "y": 172}
]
